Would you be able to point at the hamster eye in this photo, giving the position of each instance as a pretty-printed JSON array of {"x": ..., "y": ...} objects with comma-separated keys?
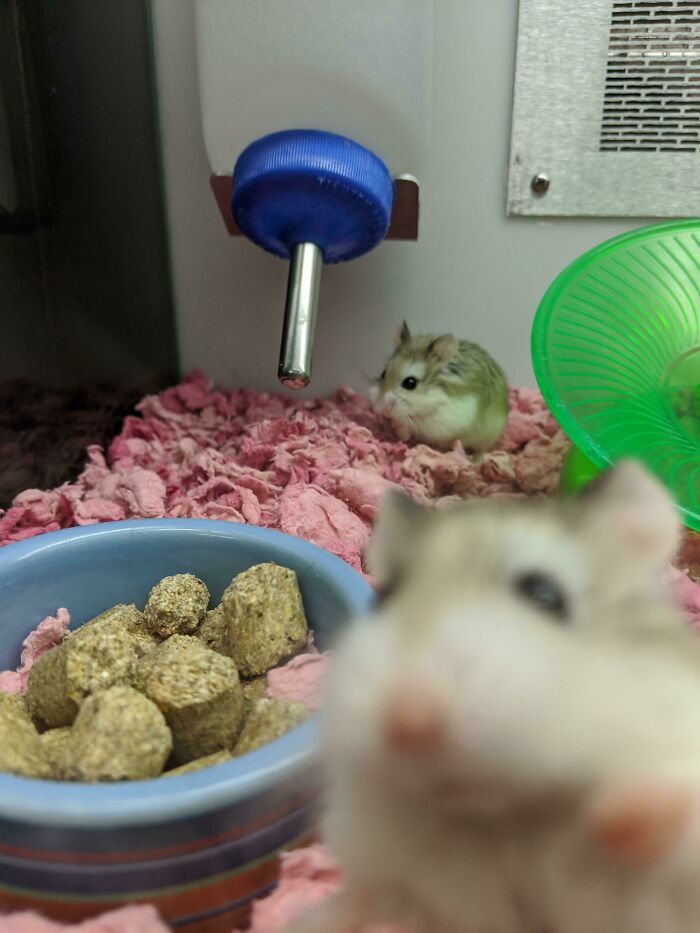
[
  {"x": 410, "y": 382},
  {"x": 382, "y": 375},
  {"x": 544, "y": 592}
]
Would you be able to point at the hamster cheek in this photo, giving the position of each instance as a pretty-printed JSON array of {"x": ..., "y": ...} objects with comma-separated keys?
[
  {"x": 384, "y": 403},
  {"x": 506, "y": 713},
  {"x": 358, "y": 680},
  {"x": 424, "y": 402}
]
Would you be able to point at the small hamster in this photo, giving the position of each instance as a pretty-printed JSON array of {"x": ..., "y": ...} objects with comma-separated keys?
[
  {"x": 438, "y": 390},
  {"x": 512, "y": 736}
]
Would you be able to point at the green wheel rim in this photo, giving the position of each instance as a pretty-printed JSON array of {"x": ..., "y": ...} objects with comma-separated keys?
[{"x": 616, "y": 354}]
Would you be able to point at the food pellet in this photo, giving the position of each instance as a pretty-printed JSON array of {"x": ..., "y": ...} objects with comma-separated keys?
[
  {"x": 198, "y": 692},
  {"x": 128, "y": 618},
  {"x": 21, "y": 749},
  {"x": 253, "y": 690},
  {"x": 199, "y": 764},
  {"x": 264, "y": 617},
  {"x": 56, "y": 745},
  {"x": 93, "y": 660},
  {"x": 268, "y": 720},
  {"x": 176, "y": 605},
  {"x": 47, "y": 689},
  {"x": 119, "y": 735},
  {"x": 213, "y": 632}
]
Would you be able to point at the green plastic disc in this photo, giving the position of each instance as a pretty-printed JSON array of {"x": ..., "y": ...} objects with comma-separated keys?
[{"x": 616, "y": 354}]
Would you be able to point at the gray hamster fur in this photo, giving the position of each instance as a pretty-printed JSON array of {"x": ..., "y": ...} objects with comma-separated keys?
[
  {"x": 438, "y": 390},
  {"x": 512, "y": 737}
]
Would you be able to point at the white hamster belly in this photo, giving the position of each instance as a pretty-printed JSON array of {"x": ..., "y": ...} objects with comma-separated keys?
[{"x": 449, "y": 420}]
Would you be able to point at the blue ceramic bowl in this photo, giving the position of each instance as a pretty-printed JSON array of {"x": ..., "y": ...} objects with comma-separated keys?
[{"x": 201, "y": 846}]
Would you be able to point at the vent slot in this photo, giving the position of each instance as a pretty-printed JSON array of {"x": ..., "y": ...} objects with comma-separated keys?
[{"x": 652, "y": 82}]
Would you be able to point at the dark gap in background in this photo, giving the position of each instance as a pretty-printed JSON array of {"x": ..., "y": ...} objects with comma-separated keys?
[{"x": 86, "y": 306}]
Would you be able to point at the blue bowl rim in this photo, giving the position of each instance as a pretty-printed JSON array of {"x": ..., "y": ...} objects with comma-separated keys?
[{"x": 161, "y": 800}]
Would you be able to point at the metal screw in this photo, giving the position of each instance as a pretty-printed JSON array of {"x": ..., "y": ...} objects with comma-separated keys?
[{"x": 540, "y": 184}]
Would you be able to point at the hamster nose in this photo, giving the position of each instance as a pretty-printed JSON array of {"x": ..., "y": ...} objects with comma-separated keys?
[{"x": 414, "y": 722}]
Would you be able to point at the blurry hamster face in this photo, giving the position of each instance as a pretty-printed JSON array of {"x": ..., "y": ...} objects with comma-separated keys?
[{"x": 497, "y": 661}]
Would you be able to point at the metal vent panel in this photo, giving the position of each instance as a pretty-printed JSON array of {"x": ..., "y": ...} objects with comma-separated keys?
[
  {"x": 607, "y": 108},
  {"x": 652, "y": 82}
]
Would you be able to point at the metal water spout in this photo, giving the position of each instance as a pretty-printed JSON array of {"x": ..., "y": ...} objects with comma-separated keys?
[{"x": 300, "y": 310}]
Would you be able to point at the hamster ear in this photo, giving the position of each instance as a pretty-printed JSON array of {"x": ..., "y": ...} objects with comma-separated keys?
[
  {"x": 630, "y": 506},
  {"x": 403, "y": 335},
  {"x": 392, "y": 541},
  {"x": 642, "y": 822},
  {"x": 444, "y": 348}
]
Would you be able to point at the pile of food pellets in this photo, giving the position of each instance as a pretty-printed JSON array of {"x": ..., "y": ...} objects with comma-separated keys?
[{"x": 134, "y": 695}]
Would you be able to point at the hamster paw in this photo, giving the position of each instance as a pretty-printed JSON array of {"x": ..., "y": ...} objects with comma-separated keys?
[
  {"x": 403, "y": 432},
  {"x": 641, "y": 824}
]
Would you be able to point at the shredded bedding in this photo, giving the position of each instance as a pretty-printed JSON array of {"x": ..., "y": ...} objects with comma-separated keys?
[
  {"x": 127, "y": 920},
  {"x": 315, "y": 469},
  {"x": 45, "y": 636}
]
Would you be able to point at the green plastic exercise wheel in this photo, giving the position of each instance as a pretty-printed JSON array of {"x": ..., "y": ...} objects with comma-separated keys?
[{"x": 616, "y": 354}]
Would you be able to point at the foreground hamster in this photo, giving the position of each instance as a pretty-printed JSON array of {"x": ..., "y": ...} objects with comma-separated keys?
[
  {"x": 439, "y": 390},
  {"x": 513, "y": 736}
]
